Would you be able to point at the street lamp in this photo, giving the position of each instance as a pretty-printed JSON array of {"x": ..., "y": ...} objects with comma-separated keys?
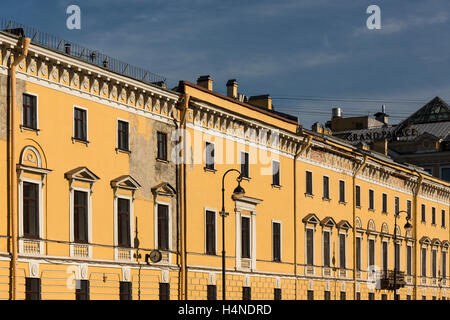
[
  {"x": 237, "y": 193},
  {"x": 407, "y": 227}
]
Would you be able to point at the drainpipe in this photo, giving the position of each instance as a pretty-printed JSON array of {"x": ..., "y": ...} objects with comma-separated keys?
[
  {"x": 415, "y": 224},
  {"x": 306, "y": 146},
  {"x": 357, "y": 171},
  {"x": 12, "y": 190}
]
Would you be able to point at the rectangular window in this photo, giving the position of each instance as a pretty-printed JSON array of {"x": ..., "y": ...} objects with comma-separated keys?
[
  {"x": 341, "y": 191},
  {"x": 310, "y": 295},
  {"x": 277, "y": 294},
  {"x": 424, "y": 261},
  {"x": 209, "y": 155},
  {"x": 163, "y": 227},
  {"x": 164, "y": 291},
  {"x": 385, "y": 256},
  {"x": 384, "y": 297},
  {"x": 397, "y": 205},
  {"x": 433, "y": 215},
  {"x": 371, "y": 296},
  {"x": 358, "y": 296},
  {"x": 310, "y": 247},
  {"x": 371, "y": 200},
  {"x": 32, "y": 289},
  {"x": 397, "y": 256},
  {"x": 423, "y": 213},
  {"x": 384, "y": 203},
  {"x": 342, "y": 251},
  {"x": 444, "y": 264},
  {"x": 343, "y": 295},
  {"x": 210, "y": 232},
  {"x": 246, "y": 293},
  {"x": 122, "y": 135},
  {"x": 434, "y": 263},
  {"x": 443, "y": 218},
  {"x": 211, "y": 292},
  {"x": 358, "y": 254},
  {"x": 276, "y": 241},
  {"x": 123, "y": 214},
  {"x": 275, "y": 173},
  {"x": 245, "y": 169},
  {"x": 371, "y": 252},
  {"x": 408, "y": 208},
  {"x": 408, "y": 260},
  {"x": 358, "y": 196},
  {"x": 80, "y": 216},
  {"x": 80, "y": 124},
  {"x": 327, "y": 295},
  {"x": 82, "y": 290},
  {"x": 125, "y": 291},
  {"x": 29, "y": 111},
  {"x": 309, "y": 186},
  {"x": 326, "y": 249},
  {"x": 162, "y": 146},
  {"x": 326, "y": 187},
  {"x": 245, "y": 237},
  {"x": 30, "y": 210}
]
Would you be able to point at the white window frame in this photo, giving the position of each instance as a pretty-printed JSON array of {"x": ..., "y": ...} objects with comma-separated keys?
[
  {"x": 213, "y": 157},
  {"x": 387, "y": 254},
  {"x": 117, "y": 133},
  {"x": 248, "y": 164},
  {"x": 73, "y": 121},
  {"x": 313, "y": 245},
  {"x": 312, "y": 183},
  {"x": 251, "y": 235},
  {"x": 329, "y": 248},
  {"x": 72, "y": 219},
  {"x": 433, "y": 249},
  {"x": 281, "y": 241},
  {"x": 421, "y": 261},
  {"x": 373, "y": 199},
  {"x": 329, "y": 195},
  {"x": 360, "y": 252},
  {"x": 279, "y": 172},
  {"x": 384, "y": 194},
  {"x": 411, "y": 260},
  {"x": 340, "y": 180},
  {"x": 345, "y": 249},
  {"x": 358, "y": 186},
  {"x": 204, "y": 221},
  {"x": 37, "y": 110},
  {"x": 155, "y": 221},
  {"x": 374, "y": 252},
  {"x": 116, "y": 223},
  {"x": 399, "y": 243}
]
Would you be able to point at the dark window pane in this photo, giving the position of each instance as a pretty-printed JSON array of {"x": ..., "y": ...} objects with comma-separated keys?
[
  {"x": 371, "y": 200},
  {"x": 212, "y": 292},
  {"x": 409, "y": 260},
  {"x": 163, "y": 227},
  {"x": 423, "y": 213},
  {"x": 277, "y": 294},
  {"x": 29, "y": 111},
  {"x": 343, "y": 295},
  {"x": 164, "y": 291},
  {"x": 275, "y": 173},
  {"x": 80, "y": 124},
  {"x": 309, "y": 186},
  {"x": 245, "y": 165},
  {"x": 397, "y": 256},
  {"x": 32, "y": 289},
  {"x": 384, "y": 202},
  {"x": 341, "y": 191},
  {"x": 124, "y": 239},
  {"x": 30, "y": 210},
  {"x": 276, "y": 234},
  {"x": 327, "y": 295},
  {"x": 433, "y": 215},
  {"x": 342, "y": 253},
  {"x": 246, "y": 293},
  {"x": 371, "y": 253},
  {"x": 122, "y": 134},
  {"x": 326, "y": 188},
  {"x": 326, "y": 249},
  {"x": 309, "y": 247},
  {"x": 209, "y": 151},
  {"x": 443, "y": 218},
  {"x": 162, "y": 145},
  {"x": 125, "y": 291},
  {"x": 210, "y": 232},
  {"x": 80, "y": 210},
  {"x": 245, "y": 235},
  {"x": 358, "y": 254},
  {"x": 385, "y": 256},
  {"x": 310, "y": 295},
  {"x": 358, "y": 196},
  {"x": 82, "y": 290},
  {"x": 424, "y": 262}
]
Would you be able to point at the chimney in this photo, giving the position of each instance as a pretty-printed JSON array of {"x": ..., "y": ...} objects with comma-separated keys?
[
  {"x": 264, "y": 101},
  {"x": 316, "y": 127},
  {"x": 232, "y": 87},
  {"x": 380, "y": 146},
  {"x": 337, "y": 112},
  {"x": 205, "y": 82},
  {"x": 382, "y": 116},
  {"x": 67, "y": 48}
]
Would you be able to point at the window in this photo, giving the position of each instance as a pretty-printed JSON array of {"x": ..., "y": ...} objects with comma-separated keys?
[
  {"x": 80, "y": 124},
  {"x": 309, "y": 186},
  {"x": 163, "y": 227},
  {"x": 397, "y": 256},
  {"x": 342, "y": 251},
  {"x": 276, "y": 241},
  {"x": 310, "y": 295},
  {"x": 358, "y": 296},
  {"x": 245, "y": 237},
  {"x": 343, "y": 295},
  {"x": 444, "y": 264},
  {"x": 326, "y": 249},
  {"x": 384, "y": 297},
  {"x": 29, "y": 111},
  {"x": 445, "y": 174},
  {"x": 371, "y": 296},
  {"x": 162, "y": 147},
  {"x": 245, "y": 170},
  {"x": 433, "y": 215},
  {"x": 122, "y": 135},
  {"x": 246, "y": 293},
  {"x": 125, "y": 291},
  {"x": 327, "y": 295},
  {"x": 82, "y": 290},
  {"x": 310, "y": 247},
  {"x": 80, "y": 212},
  {"x": 371, "y": 200},
  {"x": 385, "y": 255},
  {"x": 326, "y": 187},
  {"x": 341, "y": 191},
  {"x": 408, "y": 297},
  {"x": 408, "y": 260},
  {"x": 397, "y": 205},
  {"x": 211, "y": 292},
  {"x": 371, "y": 252},
  {"x": 408, "y": 208},
  {"x": 434, "y": 263},
  {"x": 384, "y": 204},
  {"x": 358, "y": 254},
  {"x": 209, "y": 155},
  {"x": 275, "y": 173},
  {"x": 30, "y": 210},
  {"x": 123, "y": 210},
  {"x": 32, "y": 289},
  {"x": 277, "y": 294},
  {"x": 424, "y": 261},
  {"x": 358, "y": 196},
  {"x": 443, "y": 218},
  {"x": 164, "y": 291},
  {"x": 210, "y": 232},
  {"x": 423, "y": 213}
]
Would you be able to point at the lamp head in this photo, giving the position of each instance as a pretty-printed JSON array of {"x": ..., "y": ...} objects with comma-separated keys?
[
  {"x": 408, "y": 226},
  {"x": 238, "y": 192}
]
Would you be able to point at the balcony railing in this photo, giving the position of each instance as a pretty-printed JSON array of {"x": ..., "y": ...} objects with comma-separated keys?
[
  {"x": 76, "y": 51},
  {"x": 385, "y": 279}
]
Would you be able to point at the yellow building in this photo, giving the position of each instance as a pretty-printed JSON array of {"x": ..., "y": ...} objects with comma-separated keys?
[{"x": 104, "y": 167}]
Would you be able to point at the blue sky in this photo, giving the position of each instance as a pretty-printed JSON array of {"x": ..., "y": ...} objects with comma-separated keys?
[{"x": 309, "y": 55}]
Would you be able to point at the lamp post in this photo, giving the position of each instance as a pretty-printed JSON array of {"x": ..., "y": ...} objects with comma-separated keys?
[
  {"x": 407, "y": 227},
  {"x": 237, "y": 193}
]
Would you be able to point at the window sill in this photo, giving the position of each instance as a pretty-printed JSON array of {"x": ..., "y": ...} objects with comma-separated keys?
[
  {"x": 162, "y": 160},
  {"x": 310, "y": 195},
  {"x": 246, "y": 178},
  {"x": 384, "y": 212},
  {"x": 326, "y": 199},
  {"x": 373, "y": 210},
  {"x": 276, "y": 186},
  {"x": 209, "y": 170},
  {"x": 24, "y": 128},
  {"x": 80, "y": 141},
  {"x": 358, "y": 207},
  {"x": 343, "y": 202},
  {"x": 118, "y": 150}
]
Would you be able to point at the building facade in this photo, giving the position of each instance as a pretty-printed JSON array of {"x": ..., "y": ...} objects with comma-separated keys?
[{"x": 103, "y": 169}]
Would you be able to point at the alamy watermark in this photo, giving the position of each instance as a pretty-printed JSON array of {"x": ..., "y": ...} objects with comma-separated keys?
[
  {"x": 74, "y": 19},
  {"x": 374, "y": 20}
]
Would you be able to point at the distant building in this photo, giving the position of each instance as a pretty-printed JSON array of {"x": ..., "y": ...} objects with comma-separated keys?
[{"x": 422, "y": 139}]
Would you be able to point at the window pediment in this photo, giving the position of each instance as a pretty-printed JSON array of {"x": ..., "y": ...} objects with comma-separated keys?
[
  {"x": 311, "y": 218},
  {"x": 125, "y": 182},
  {"x": 164, "y": 189},
  {"x": 344, "y": 224},
  {"x": 81, "y": 174},
  {"x": 425, "y": 240},
  {"x": 328, "y": 222}
]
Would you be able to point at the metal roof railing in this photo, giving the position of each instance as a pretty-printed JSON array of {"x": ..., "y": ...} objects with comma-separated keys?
[{"x": 77, "y": 51}]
